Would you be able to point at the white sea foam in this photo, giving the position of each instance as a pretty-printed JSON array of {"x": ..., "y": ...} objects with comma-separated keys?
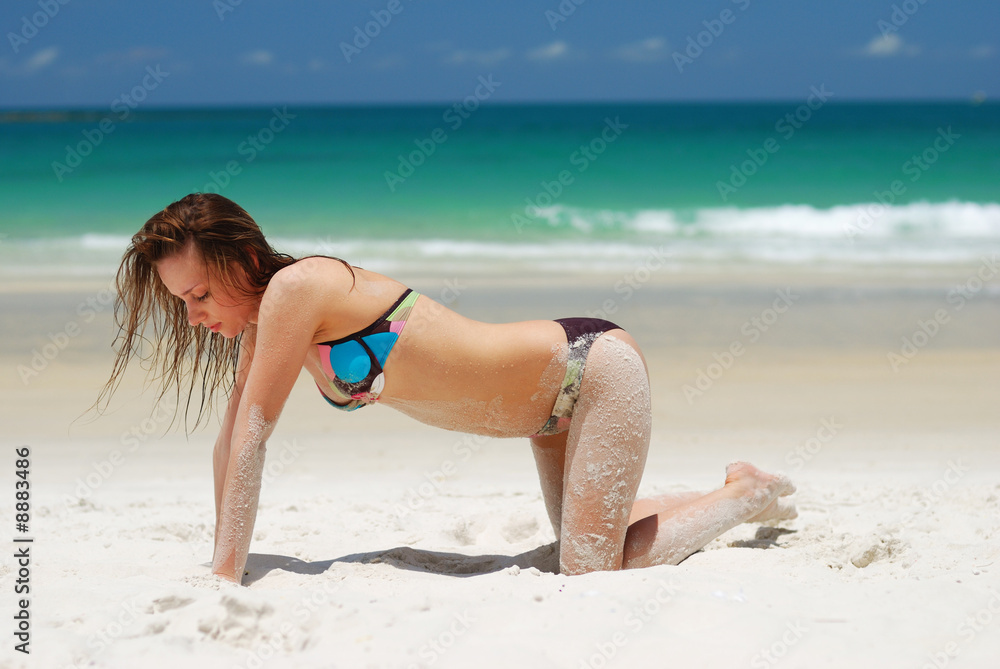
[
  {"x": 567, "y": 239},
  {"x": 948, "y": 220}
]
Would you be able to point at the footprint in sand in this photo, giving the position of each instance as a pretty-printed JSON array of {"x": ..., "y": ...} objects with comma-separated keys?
[
  {"x": 880, "y": 548},
  {"x": 240, "y": 623},
  {"x": 466, "y": 531},
  {"x": 519, "y": 528},
  {"x": 168, "y": 603}
]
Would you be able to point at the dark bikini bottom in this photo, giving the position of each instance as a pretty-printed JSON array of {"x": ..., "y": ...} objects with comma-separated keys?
[{"x": 580, "y": 335}]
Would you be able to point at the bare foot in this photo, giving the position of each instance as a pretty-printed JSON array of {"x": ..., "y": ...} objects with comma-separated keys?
[
  {"x": 779, "y": 509},
  {"x": 762, "y": 490},
  {"x": 674, "y": 534}
]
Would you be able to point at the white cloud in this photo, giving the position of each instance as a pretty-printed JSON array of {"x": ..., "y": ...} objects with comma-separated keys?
[
  {"x": 555, "y": 51},
  {"x": 889, "y": 45},
  {"x": 645, "y": 51},
  {"x": 258, "y": 57},
  {"x": 390, "y": 62},
  {"x": 138, "y": 54},
  {"x": 982, "y": 51},
  {"x": 462, "y": 56},
  {"x": 886, "y": 45},
  {"x": 42, "y": 59}
]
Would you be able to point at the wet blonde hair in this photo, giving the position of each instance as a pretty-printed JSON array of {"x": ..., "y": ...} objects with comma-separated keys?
[{"x": 153, "y": 324}]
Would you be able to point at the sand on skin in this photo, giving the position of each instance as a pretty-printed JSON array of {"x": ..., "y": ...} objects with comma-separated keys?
[{"x": 382, "y": 542}]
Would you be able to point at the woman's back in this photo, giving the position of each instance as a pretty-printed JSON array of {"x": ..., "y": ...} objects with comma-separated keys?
[{"x": 444, "y": 369}]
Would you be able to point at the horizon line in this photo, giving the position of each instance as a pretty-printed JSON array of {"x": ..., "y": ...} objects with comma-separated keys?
[{"x": 190, "y": 106}]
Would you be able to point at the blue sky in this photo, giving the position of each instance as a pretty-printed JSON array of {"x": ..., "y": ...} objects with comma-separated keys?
[{"x": 217, "y": 52}]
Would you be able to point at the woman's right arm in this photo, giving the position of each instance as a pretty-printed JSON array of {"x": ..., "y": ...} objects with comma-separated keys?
[{"x": 223, "y": 445}]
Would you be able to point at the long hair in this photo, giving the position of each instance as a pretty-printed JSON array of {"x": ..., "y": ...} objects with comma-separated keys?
[{"x": 153, "y": 324}]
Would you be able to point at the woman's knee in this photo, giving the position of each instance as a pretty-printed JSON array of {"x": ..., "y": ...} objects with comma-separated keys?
[
  {"x": 585, "y": 553},
  {"x": 639, "y": 542}
]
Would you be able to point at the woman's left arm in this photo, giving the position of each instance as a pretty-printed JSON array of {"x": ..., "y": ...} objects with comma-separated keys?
[{"x": 288, "y": 318}]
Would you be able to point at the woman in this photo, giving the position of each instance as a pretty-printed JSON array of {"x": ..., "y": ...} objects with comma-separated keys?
[{"x": 577, "y": 388}]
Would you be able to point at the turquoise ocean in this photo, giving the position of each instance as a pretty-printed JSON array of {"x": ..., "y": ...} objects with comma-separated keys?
[{"x": 513, "y": 188}]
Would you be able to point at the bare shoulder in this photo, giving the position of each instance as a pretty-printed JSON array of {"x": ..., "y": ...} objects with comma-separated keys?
[
  {"x": 319, "y": 277},
  {"x": 300, "y": 295},
  {"x": 326, "y": 296}
]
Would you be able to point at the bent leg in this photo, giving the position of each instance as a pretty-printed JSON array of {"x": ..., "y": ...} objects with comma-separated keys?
[
  {"x": 605, "y": 455},
  {"x": 650, "y": 506},
  {"x": 550, "y": 458},
  {"x": 672, "y": 535},
  {"x": 668, "y": 502}
]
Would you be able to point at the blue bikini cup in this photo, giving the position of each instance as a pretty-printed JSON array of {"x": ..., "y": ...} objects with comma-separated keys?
[{"x": 351, "y": 362}]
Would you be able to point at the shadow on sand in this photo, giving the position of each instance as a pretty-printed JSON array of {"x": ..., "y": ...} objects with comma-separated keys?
[
  {"x": 544, "y": 558},
  {"x": 766, "y": 537}
]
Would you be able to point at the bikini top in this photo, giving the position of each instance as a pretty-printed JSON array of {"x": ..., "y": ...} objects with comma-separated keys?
[{"x": 353, "y": 364}]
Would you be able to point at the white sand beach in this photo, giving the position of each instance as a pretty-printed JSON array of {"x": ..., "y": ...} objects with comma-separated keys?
[{"x": 381, "y": 542}]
